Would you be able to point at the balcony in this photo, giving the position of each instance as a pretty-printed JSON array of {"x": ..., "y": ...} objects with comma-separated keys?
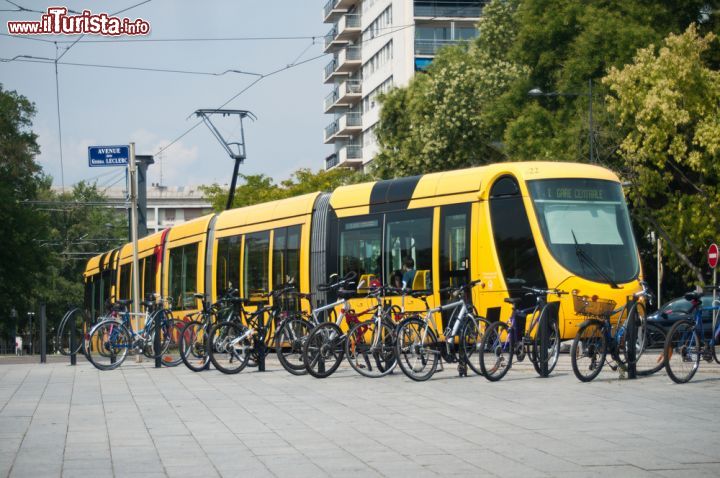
[
  {"x": 430, "y": 47},
  {"x": 349, "y": 59},
  {"x": 448, "y": 8},
  {"x": 345, "y": 95},
  {"x": 333, "y": 42},
  {"x": 349, "y": 156},
  {"x": 348, "y": 27},
  {"x": 332, "y": 10},
  {"x": 344, "y": 127},
  {"x": 345, "y": 62}
]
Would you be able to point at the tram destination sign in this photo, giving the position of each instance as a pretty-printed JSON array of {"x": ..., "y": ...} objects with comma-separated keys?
[{"x": 102, "y": 156}]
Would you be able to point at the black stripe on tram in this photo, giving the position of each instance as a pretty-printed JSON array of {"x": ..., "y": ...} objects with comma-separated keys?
[{"x": 392, "y": 194}]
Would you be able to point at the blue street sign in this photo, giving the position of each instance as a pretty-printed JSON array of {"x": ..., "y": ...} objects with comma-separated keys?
[{"x": 108, "y": 155}]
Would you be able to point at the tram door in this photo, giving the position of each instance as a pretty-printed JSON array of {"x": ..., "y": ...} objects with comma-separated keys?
[{"x": 454, "y": 250}]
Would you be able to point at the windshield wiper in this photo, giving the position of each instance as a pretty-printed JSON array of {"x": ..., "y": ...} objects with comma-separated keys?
[{"x": 583, "y": 256}]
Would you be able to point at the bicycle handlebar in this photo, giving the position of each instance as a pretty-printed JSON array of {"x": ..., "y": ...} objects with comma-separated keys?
[{"x": 538, "y": 291}]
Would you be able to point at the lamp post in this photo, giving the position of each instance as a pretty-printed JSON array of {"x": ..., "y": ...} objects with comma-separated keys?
[{"x": 535, "y": 92}]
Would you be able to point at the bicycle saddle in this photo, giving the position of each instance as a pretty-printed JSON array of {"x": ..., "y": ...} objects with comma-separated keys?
[
  {"x": 124, "y": 302},
  {"x": 345, "y": 294},
  {"x": 693, "y": 296},
  {"x": 420, "y": 293},
  {"x": 513, "y": 300}
]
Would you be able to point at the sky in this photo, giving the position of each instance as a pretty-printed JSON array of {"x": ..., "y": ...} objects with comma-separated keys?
[{"x": 102, "y": 106}]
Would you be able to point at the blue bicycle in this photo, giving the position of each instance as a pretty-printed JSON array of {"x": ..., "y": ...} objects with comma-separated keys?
[
  {"x": 111, "y": 340},
  {"x": 688, "y": 342}
]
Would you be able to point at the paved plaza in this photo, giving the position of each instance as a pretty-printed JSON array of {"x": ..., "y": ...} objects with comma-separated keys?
[{"x": 138, "y": 421}]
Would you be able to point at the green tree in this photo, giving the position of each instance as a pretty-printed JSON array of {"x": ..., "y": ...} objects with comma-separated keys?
[
  {"x": 565, "y": 44},
  {"x": 447, "y": 117},
  {"x": 21, "y": 258},
  {"x": 667, "y": 101},
  {"x": 258, "y": 188},
  {"x": 76, "y": 231}
]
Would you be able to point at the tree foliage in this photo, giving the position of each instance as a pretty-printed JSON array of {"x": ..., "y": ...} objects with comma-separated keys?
[
  {"x": 258, "y": 188},
  {"x": 21, "y": 259},
  {"x": 446, "y": 118},
  {"x": 668, "y": 102}
]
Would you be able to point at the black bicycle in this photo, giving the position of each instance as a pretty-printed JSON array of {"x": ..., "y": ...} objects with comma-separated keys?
[{"x": 540, "y": 340}]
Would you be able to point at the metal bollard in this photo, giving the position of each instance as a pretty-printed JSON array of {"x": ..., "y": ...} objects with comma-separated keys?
[
  {"x": 630, "y": 343},
  {"x": 159, "y": 314},
  {"x": 43, "y": 334},
  {"x": 261, "y": 347}
]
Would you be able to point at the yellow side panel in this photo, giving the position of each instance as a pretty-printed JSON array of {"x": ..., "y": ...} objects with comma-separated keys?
[{"x": 351, "y": 196}]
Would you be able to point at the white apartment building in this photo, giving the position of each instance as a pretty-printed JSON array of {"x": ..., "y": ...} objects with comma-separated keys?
[
  {"x": 378, "y": 44},
  {"x": 168, "y": 206}
]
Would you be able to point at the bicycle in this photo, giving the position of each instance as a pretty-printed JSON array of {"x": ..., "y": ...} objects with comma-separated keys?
[
  {"x": 327, "y": 345},
  {"x": 597, "y": 337},
  {"x": 234, "y": 342},
  {"x": 194, "y": 336},
  {"x": 418, "y": 349},
  {"x": 291, "y": 335},
  {"x": 686, "y": 341},
  {"x": 111, "y": 340},
  {"x": 540, "y": 341}
]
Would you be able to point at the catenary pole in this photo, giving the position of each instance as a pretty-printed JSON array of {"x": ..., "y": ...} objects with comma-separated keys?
[{"x": 132, "y": 169}]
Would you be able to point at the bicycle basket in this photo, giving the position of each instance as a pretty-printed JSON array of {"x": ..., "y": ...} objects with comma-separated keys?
[{"x": 586, "y": 305}]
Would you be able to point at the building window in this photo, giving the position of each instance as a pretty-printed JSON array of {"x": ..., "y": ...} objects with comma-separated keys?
[
  {"x": 408, "y": 248},
  {"x": 182, "y": 273},
  {"x": 377, "y": 27},
  {"x": 227, "y": 272},
  {"x": 370, "y": 102},
  {"x": 257, "y": 251},
  {"x": 192, "y": 213},
  {"x": 361, "y": 247},
  {"x": 169, "y": 214},
  {"x": 378, "y": 60}
]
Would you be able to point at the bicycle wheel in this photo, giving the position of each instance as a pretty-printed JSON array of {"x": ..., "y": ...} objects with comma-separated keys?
[
  {"x": 108, "y": 344},
  {"x": 71, "y": 332},
  {"x": 545, "y": 356},
  {"x": 324, "y": 350},
  {"x": 170, "y": 335},
  {"x": 289, "y": 342},
  {"x": 471, "y": 339},
  {"x": 416, "y": 349},
  {"x": 683, "y": 350},
  {"x": 370, "y": 349},
  {"x": 496, "y": 351},
  {"x": 230, "y": 347},
  {"x": 651, "y": 339},
  {"x": 194, "y": 346},
  {"x": 588, "y": 351}
]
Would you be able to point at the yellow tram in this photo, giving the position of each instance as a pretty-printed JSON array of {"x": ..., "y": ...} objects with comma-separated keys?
[{"x": 546, "y": 224}]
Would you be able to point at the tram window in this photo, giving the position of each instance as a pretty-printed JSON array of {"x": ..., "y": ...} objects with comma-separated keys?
[
  {"x": 257, "y": 248},
  {"x": 125, "y": 285},
  {"x": 182, "y": 273},
  {"x": 454, "y": 245},
  {"x": 227, "y": 273},
  {"x": 286, "y": 256},
  {"x": 88, "y": 302},
  {"x": 408, "y": 248},
  {"x": 361, "y": 247},
  {"x": 514, "y": 241},
  {"x": 106, "y": 288},
  {"x": 149, "y": 265}
]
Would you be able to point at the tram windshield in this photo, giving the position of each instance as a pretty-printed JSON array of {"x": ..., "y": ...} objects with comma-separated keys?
[{"x": 586, "y": 226}]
